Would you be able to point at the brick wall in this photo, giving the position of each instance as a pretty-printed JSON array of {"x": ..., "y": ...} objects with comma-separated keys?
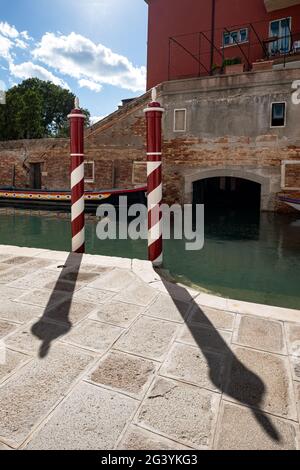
[
  {"x": 292, "y": 176},
  {"x": 117, "y": 146}
]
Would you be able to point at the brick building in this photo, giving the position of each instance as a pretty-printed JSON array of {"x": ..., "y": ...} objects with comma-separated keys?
[{"x": 231, "y": 135}]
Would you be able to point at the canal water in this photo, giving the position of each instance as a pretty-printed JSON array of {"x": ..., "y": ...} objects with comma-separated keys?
[{"x": 252, "y": 257}]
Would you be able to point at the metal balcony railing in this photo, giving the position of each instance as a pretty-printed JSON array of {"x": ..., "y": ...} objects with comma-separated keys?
[{"x": 196, "y": 55}]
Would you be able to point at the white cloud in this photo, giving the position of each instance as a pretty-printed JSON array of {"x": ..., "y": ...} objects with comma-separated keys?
[
  {"x": 11, "y": 32},
  {"x": 84, "y": 83},
  {"x": 30, "y": 70},
  {"x": 25, "y": 35},
  {"x": 10, "y": 37},
  {"x": 8, "y": 30},
  {"x": 5, "y": 47},
  {"x": 21, "y": 44},
  {"x": 79, "y": 57},
  {"x": 95, "y": 119}
]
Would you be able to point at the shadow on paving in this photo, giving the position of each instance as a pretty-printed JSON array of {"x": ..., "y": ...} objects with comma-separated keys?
[
  {"x": 242, "y": 384},
  {"x": 56, "y": 309}
]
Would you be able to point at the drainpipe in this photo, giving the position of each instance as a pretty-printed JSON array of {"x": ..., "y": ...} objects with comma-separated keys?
[{"x": 213, "y": 26}]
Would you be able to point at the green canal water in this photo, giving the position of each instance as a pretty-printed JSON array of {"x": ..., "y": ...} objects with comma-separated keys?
[{"x": 254, "y": 258}]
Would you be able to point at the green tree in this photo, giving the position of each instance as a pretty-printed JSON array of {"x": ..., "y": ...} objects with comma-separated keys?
[{"x": 36, "y": 109}]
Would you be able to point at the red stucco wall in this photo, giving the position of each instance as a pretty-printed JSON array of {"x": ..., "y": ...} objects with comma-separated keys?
[{"x": 169, "y": 18}]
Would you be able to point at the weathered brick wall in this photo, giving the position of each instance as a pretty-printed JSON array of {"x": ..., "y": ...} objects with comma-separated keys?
[
  {"x": 292, "y": 176},
  {"x": 117, "y": 146},
  {"x": 114, "y": 146}
]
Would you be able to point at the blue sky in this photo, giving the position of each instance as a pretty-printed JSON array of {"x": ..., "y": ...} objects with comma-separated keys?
[{"x": 97, "y": 48}]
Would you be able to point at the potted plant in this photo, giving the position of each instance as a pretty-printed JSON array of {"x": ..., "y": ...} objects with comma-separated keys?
[
  {"x": 234, "y": 65},
  {"x": 262, "y": 64},
  {"x": 216, "y": 69}
]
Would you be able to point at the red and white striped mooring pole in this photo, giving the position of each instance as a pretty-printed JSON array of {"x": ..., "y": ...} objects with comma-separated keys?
[
  {"x": 154, "y": 114},
  {"x": 77, "y": 178}
]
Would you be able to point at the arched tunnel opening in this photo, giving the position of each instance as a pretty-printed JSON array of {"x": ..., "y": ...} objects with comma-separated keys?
[
  {"x": 231, "y": 205},
  {"x": 227, "y": 193}
]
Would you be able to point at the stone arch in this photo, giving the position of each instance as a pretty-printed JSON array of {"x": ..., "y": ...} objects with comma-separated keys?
[{"x": 257, "y": 176}]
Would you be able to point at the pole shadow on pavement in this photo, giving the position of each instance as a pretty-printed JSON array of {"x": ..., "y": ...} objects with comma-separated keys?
[
  {"x": 55, "y": 321},
  {"x": 239, "y": 383}
]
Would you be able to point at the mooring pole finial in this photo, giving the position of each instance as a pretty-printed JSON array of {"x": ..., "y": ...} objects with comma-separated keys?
[{"x": 154, "y": 94}]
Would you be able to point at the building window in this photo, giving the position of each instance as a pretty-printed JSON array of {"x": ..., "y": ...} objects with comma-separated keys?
[
  {"x": 89, "y": 172},
  {"x": 278, "y": 117},
  {"x": 280, "y": 30},
  {"x": 179, "y": 120},
  {"x": 235, "y": 37}
]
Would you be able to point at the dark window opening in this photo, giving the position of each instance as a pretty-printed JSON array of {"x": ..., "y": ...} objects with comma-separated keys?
[{"x": 278, "y": 114}]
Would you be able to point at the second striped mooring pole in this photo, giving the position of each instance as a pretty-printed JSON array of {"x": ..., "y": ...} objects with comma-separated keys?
[
  {"x": 154, "y": 114},
  {"x": 77, "y": 178}
]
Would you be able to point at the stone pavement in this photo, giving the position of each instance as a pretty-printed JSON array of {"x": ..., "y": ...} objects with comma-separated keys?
[{"x": 101, "y": 353}]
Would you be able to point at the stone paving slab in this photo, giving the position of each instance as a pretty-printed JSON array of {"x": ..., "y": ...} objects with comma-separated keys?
[
  {"x": 297, "y": 392},
  {"x": 41, "y": 297},
  {"x": 4, "y": 447},
  {"x": 69, "y": 312},
  {"x": 39, "y": 263},
  {"x": 137, "y": 294},
  {"x": 117, "y": 313},
  {"x": 3, "y": 257},
  {"x": 205, "y": 338},
  {"x": 108, "y": 261},
  {"x": 148, "y": 337},
  {"x": 181, "y": 412},
  {"x": 12, "y": 274},
  {"x": 114, "y": 281},
  {"x": 293, "y": 338},
  {"x": 4, "y": 267},
  {"x": 28, "y": 339},
  {"x": 177, "y": 292},
  {"x": 295, "y": 363},
  {"x": 240, "y": 430},
  {"x": 189, "y": 364},
  {"x": 6, "y": 328},
  {"x": 260, "y": 333},
  {"x": 93, "y": 335},
  {"x": 10, "y": 293},
  {"x": 262, "y": 380},
  {"x": 94, "y": 296},
  {"x": 137, "y": 438},
  {"x": 17, "y": 312},
  {"x": 129, "y": 374},
  {"x": 16, "y": 260},
  {"x": 91, "y": 418},
  {"x": 212, "y": 317},
  {"x": 29, "y": 396},
  {"x": 168, "y": 309},
  {"x": 124, "y": 359},
  {"x": 13, "y": 360},
  {"x": 35, "y": 280}
]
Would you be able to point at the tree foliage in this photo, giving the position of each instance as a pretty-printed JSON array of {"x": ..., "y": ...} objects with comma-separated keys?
[{"x": 36, "y": 109}]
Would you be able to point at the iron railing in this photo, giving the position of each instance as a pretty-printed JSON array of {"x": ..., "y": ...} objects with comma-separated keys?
[{"x": 190, "y": 54}]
